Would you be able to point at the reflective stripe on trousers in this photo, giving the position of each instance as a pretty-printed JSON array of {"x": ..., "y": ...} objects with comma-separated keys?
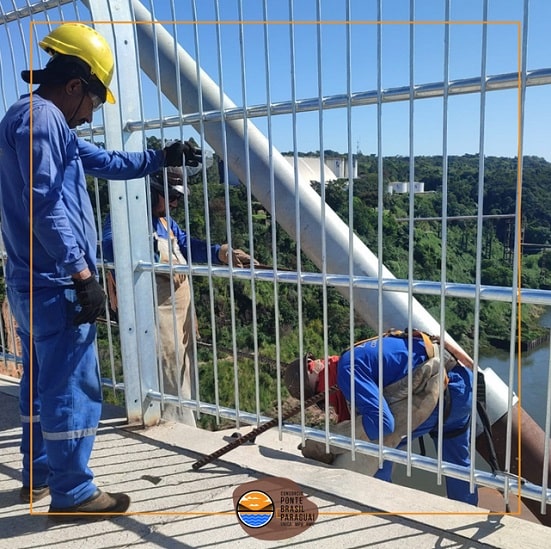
[{"x": 65, "y": 394}]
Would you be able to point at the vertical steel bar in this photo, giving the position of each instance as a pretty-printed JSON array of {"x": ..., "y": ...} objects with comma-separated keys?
[
  {"x": 130, "y": 236},
  {"x": 319, "y": 57},
  {"x": 272, "y": 209},
  {"x": 206, "y": 210},
  {"x": 380, "y": 216},
  {"x": 479, "y": 223},
  {"x": 247, "y": 183},
  {"x": 547, "y": 427},
  {"x": 444, "y": 255},
  {"x": 228, "y": 224},
  {"x": 192, "y": 341},
  {"x": 297, "y": 204},
  {"x": 411, "y": 228},
  {"x": 518, "y": 246},
  {"x": 351, "y": 249},
  {"x": 151, "y": 248},
  {"x": 170, "y": 243},
  {"x": 224, "y": 155},
  {"x": 516, "y": 312}
]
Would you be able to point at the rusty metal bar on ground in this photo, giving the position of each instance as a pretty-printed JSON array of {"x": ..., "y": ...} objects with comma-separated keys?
[{"x": 260, "y": 429}]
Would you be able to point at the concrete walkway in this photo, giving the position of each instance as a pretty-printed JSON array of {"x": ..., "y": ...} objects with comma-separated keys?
[{"x": 174, "y": 506}]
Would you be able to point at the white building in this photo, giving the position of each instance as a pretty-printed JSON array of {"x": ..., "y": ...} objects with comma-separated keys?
[
  {"x": 402, "y": 187},
  {"x": 339, "y": 166}
]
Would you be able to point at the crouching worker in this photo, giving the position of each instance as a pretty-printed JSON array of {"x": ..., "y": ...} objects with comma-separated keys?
[{"x": 426, "y": 359}]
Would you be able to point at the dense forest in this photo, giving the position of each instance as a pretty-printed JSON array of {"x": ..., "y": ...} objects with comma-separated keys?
[{"x": 500, "y": 198}]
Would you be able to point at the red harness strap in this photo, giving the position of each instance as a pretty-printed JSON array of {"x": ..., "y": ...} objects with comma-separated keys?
[{"x": 336, "y": 398}]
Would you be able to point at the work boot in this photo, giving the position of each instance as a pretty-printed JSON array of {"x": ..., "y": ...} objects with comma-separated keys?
[
  {"x": 38, "y": 493},
  {"x": 100, "y": 506},
  {"x": 316, "y": 450}
]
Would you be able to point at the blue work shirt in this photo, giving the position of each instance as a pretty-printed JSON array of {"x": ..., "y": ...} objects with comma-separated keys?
[
  {"x": 64, "y": 237},
  {"x": 199, "y": 248},
  {"x": 395, "y": 367},
  {"x": 455, "y": 446}
]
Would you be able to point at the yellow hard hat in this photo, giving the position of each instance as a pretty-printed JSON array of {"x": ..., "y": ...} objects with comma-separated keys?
[{"x": 88, "y": 45}]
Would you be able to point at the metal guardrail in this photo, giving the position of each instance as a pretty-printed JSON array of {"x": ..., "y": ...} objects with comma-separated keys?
[
  {"x": 197, "y": 111},
  {"x": 497, "y": 82}
]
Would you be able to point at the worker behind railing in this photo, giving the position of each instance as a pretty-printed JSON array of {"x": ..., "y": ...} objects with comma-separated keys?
[{"x": 174, "y": 310}]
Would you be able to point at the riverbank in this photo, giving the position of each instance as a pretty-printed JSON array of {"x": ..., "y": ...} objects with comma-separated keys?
[{"x": 525, "y": 345}]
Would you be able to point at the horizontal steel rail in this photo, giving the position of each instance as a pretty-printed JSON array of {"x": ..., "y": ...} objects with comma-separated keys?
[
  {"x": 497, "y": 481},
  {"x": 421, "y": 287},
  {"x": 505, "y": 81},
  {"x": 32, "y": 9}
]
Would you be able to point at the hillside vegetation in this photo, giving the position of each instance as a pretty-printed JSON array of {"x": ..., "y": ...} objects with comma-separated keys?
[
  {"x": 496, "y": 267},
  {"x": 500, "y": 198}
]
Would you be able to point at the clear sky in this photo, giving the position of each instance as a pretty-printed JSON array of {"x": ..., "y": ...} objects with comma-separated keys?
[
  {"x": 328, "y": 67},
  {"x": 465, "y": 61}
]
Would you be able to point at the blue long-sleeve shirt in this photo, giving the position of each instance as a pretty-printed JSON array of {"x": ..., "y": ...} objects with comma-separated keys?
[
  {"x": 199, "y": 248},
  {"x": 395, "y": 367},
  {"x": 366, "y": 377},
  {"x": 43, "y": 172},
  {"x": 455, "y": 446}
]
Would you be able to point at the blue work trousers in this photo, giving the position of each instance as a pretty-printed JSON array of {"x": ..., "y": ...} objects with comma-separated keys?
[
  {"x": 456, "y": 489},
  {"x": 60, "y": 393}
]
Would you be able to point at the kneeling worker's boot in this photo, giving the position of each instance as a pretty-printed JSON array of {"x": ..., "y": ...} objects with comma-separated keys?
[
  {"x": 316, "y": 450},
  {"x": 100, "y": 506}
]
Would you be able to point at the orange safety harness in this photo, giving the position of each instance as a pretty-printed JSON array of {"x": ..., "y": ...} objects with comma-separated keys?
[{"x": 337, "y": 400}]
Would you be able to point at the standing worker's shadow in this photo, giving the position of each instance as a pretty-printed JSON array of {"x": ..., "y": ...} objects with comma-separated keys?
[
  {"x": 15, "y": 519},
  {"x": 485, "y": 528}
]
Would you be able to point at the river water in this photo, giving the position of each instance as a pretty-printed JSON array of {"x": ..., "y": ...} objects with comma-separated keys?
[{"x": 534, "y": 378}]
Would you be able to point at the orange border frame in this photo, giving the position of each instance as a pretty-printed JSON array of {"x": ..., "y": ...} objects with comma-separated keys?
[{"x": 519, "y": 199}]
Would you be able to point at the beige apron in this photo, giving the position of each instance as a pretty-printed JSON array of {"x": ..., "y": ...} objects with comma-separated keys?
[{"x": 177, "y": 357}]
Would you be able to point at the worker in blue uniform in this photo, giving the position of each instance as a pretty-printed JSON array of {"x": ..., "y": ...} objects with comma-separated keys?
[
  {"x": 162, "y": 226},
  {"x": 395, "y": 364},
  {"x": 174, "y": 307},
  {"x": 50, "y": 239}
]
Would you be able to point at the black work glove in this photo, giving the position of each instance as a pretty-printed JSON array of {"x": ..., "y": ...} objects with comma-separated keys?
[
  {"x": 175, "y": 152},
  {"x": 92, "y": 298}
]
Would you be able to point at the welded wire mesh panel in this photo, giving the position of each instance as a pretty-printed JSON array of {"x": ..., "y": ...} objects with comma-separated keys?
[
  {"x": 417, "y": 95},
  {"x": 366, "y": 156}
]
